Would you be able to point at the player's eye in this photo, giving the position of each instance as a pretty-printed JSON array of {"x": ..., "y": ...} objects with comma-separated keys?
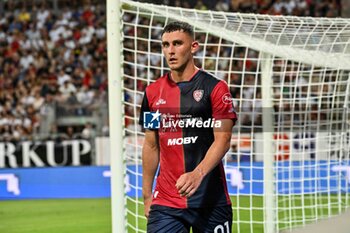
[
  {"x": 177, "y": 43},
  {"x": 165, "y": 45}
]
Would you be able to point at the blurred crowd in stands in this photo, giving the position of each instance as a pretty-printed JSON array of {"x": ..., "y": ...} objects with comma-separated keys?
[
  {"x": 53, "y": 62},
  {"x": 314, "y": 8}
]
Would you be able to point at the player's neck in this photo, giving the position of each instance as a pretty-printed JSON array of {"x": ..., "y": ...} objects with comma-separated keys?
[{"x": 184, "y": 75}]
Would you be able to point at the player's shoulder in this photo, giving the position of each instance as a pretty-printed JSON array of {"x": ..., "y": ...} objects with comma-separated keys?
[
  {"x": 211, "y": 79},
  {"x": 155, "y": 86}
]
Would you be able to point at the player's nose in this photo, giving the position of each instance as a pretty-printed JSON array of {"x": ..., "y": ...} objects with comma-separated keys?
[{"x": 171, "y": 49}]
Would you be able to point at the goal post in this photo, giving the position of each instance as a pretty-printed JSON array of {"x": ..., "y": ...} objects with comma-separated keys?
[
  {"x": 115, "y": 74},
  {"x": 289, "y": 77},
  {"x": 267, "y": 123}
]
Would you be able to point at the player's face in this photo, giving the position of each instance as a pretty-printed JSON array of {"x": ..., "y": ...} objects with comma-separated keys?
[{"x": 178, "y": 48}]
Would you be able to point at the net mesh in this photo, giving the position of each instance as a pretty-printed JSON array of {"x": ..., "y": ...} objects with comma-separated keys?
[{"x": 310, "y": 59}]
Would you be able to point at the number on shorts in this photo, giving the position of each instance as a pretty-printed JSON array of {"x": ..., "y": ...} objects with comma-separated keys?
[{"x": 221, "y": 228}]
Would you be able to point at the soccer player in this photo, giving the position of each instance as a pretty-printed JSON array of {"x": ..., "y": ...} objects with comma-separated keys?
[{"x": 188, "y": 118}]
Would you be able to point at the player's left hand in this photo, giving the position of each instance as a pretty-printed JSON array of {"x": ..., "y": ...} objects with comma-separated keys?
[{"x": 188, "y": 183}]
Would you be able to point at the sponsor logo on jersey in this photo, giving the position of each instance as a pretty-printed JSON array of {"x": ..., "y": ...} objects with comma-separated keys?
[
  {"x": 182, "y": 141},
  {"x": 227, "y": 99},
  {"x": 198, "y": 95},
  {"x": 151, "y": 120},
  {"x": 160, "y": 101}
]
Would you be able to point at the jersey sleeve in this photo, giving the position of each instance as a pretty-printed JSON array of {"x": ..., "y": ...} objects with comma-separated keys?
[
  {"x": 144, "y": 108},
  {"x": 222, "y": 102}
]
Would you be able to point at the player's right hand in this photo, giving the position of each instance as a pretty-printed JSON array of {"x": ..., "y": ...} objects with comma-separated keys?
[
  {"x": 188, "y": 183},
  {"x": 147, "y": 205}
]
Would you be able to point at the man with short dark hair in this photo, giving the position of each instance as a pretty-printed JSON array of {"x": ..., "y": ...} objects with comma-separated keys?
[{"x": 188, "y": 117}]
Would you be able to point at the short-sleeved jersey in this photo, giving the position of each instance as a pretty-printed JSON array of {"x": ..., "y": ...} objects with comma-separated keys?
[{"x": 188, "y": 113}]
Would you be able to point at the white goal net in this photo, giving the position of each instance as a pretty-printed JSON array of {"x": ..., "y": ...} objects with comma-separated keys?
[{"x": 289, "y": 161}]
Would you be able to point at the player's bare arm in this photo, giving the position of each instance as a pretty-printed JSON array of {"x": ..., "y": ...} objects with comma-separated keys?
[
  {"x": 150, "y": 160},
  {"x": 188, "y": 183}
]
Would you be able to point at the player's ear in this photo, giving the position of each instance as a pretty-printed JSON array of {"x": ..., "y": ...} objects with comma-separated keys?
[{"x": 194, "y": 47}]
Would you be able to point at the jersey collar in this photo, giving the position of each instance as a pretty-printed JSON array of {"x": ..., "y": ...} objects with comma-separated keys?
[{"x": 192, "y": 77}]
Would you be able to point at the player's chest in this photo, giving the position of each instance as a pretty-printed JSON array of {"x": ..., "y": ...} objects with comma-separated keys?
[{"x": 185, "y": 100}]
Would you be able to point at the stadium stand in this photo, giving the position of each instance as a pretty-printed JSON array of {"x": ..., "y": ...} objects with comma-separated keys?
[
  {"x": 314, "y": 8},
  {"x": 53, "y": 68}
]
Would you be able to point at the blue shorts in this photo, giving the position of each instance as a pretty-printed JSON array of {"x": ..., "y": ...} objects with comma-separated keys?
[{"x": 163, "y": 219}]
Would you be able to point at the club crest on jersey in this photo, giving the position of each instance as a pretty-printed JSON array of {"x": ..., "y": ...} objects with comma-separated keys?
[{"x": 198, "y": 95}]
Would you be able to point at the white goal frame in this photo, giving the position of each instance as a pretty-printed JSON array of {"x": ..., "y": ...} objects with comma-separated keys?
[
  {"x": 116, "y": 114},
  {"x": 115, "y": 93}
]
